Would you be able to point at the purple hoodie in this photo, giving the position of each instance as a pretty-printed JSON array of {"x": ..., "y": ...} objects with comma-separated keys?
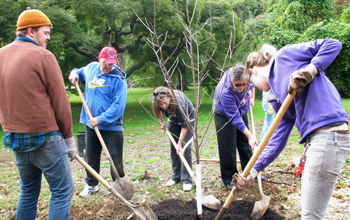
[
  {"x": 232, "y": 103},
  {"x": 319, "y": 104}
]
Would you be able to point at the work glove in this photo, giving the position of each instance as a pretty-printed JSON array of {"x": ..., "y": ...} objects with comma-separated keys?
[
  {"x": 300, "y": 78},
  {"x": 242, "y": 183},
  {"x": 269, "y": 109},
  {"x": 70, "y": 143},
  {"x": 73, "y": 76}
]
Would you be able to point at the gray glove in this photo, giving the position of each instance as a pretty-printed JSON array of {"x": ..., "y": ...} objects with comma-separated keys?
[
  {"x": 300, "y": 78},
  {"x": 70, "y": 142},
  {"x": 242, "y": 183}
]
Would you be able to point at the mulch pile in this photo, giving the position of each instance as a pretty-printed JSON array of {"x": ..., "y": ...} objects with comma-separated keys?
[{"x": 176, "y": 209}]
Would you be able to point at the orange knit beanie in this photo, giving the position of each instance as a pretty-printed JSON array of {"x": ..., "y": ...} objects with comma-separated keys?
[{"x": 32, "y": 18}]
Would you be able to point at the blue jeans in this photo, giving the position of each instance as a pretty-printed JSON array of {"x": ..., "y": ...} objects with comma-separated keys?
[
  {"x": 51, "y": 159},
  {"x": 325, "y": 158}
]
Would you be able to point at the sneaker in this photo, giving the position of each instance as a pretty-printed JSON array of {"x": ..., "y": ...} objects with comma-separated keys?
[
  {"x": 187, "y": 187},
  {"x": 170, "y": 183},
  {"x": 88, "y": 190}
]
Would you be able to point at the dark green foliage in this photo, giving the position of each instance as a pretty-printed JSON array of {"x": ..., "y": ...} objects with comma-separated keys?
[
  {"x": 338, "y": 71},
  {"x": 93, "y": 24}
]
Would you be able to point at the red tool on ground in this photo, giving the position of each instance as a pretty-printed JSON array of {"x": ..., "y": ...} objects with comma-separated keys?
[{"x": 301, "y": 165}]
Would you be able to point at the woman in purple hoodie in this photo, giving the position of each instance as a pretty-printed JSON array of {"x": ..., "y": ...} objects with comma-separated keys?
[
  {"x": 231, "y": 103},
  {"x": 316, "y": 111}
]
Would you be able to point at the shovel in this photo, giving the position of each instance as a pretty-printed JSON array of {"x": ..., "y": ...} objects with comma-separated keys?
[
  {"x": 123, "y": 186},
  {"x": 141, "y": 212},
  {"x": 260, "y": 206},
  {"x": 188, "y": 168},
  {"x": 208, "y": 201},
  {"x": 257, "y": 153}
]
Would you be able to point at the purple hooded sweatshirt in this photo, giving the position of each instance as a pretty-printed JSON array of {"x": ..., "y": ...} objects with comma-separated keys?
[
  {"x": 231, "y": 103},
  {"x": 319, "y": 104}
]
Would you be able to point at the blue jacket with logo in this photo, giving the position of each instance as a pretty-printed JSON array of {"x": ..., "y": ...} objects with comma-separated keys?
[{"x": 105, "y": 95}]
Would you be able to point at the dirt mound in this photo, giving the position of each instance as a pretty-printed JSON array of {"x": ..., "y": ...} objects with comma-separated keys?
[{"x": 177, "y": 210}]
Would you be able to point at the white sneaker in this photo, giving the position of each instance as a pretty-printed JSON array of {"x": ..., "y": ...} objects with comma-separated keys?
[
  {"x": 170, "y": 183},
  {"x": 88, "y": 190},
  {"x": 187, "y": 187}
]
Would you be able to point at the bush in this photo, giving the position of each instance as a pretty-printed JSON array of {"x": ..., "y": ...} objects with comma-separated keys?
[{"x": 338, "y": 71}]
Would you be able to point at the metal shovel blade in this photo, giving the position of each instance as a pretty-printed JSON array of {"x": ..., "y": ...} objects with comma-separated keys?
[
  {"x": 260, "y": 206},
  {"x": 211, "y": 202},
  {"x": 142, "y": 212},
  {"x": 125, "y": 187}
]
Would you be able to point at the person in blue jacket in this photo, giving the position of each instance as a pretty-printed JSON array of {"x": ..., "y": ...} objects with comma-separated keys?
[
  {"x": 269, "y": 114},
  {"x": 317, "y": 112},
  {"x": 231, "y": 103},
  {"x": 105, "y": 95}
]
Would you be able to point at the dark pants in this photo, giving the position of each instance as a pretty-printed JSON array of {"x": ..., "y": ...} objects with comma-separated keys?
[
  {"x": 180, "y": 173},
  {"x": 114, "y": 142},
  {"x": 230, "y": 139}
]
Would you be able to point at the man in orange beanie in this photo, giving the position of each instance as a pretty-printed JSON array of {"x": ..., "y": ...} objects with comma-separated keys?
[{"x": 36, "y": 117}]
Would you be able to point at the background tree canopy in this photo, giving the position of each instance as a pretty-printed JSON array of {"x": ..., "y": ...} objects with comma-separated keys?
[{"x": 82, "y": 28}]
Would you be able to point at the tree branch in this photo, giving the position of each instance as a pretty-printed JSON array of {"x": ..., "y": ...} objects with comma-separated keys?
[{"x": 82, "y": 51}]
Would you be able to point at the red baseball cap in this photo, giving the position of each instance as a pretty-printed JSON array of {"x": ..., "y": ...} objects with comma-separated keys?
[{"x": 110, "y": 55}]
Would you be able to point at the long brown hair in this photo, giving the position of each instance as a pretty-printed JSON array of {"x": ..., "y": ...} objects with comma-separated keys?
[{"x": 158, "y": 94}]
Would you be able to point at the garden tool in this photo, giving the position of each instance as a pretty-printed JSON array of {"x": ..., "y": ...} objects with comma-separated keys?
[
  {"x": 257, "y": 153},
  {"x": 123, "y": 186},
  {"x": 211, "y": 160},
  {"x": 208, "y": 201},
  {"x": 188, "y": 168},
  {"x": 214, "y": 160},
  {"x": 140, "y": 212},
  {"x": 301, "y": 165},
  {"x": 260, "y": 206},
  {"x": 186, "y": 145}
]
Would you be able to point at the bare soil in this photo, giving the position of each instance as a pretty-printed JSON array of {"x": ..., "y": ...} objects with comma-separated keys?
[{"x": 178, "y": 210}]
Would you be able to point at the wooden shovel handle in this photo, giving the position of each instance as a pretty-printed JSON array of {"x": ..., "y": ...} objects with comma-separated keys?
[
  {"x": 269, "y": 133},
  {"x": 257, "y": 153},
  {"x": 188, "y": 168},
  {"x": 252, "y": 120},
  {"x": 103, "y": 181},
  {"x": 97, "y": 131}
]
